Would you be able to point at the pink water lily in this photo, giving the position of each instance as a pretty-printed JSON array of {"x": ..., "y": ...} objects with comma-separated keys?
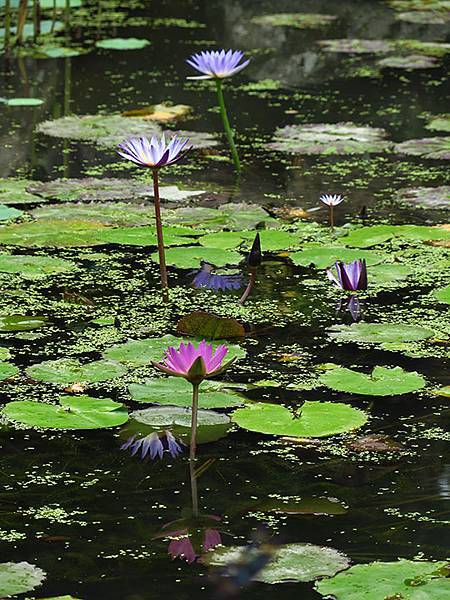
[{"x": 194, "y": 364}]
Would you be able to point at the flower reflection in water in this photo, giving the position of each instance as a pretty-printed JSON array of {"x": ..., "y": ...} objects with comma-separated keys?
[
  {"x": 192, "y": 538},
  {"x": 205, "y": 278},
  {"x": 351, "y": 305}
]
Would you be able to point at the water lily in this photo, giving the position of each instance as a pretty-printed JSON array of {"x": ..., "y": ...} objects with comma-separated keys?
[
  {"x": 350, "y": 276},
  {"x": 154, "y": 445},
  {"x": 331, "y": 200},
  {"x": 194, "y": 364},
  {"x": 206, "y": 279},
  {"x": 155, "y": 154},
  {"x": 217, "y": 65}
]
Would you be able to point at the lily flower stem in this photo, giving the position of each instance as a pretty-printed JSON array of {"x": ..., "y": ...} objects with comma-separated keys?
[
  {"x": 193, "y": 448},
  {"x": 159, "y": 234},
  {"x": 227, "y": 126},
  {"x": 331, "y": 217},
  {"x": 7, "y": 28},
  {"x": 248, "y": 289}
]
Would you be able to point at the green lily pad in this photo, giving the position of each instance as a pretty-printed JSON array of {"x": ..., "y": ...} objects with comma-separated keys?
[
  {"x": 290, "y": 563},
  {"x": 330, "y": 138},
  {"x": 112, "y": 213},
  {"x": 439, "y": 123},
  {"x": 73, "y": 412},
  {"x": 438, "y": 49},
  {"x": 13, "y": 191},
  {"x": 189, "y": 257},
  {"x": 424, "y": 17},
  {"x": 21, "y": 323},
  {"x": 21, "y": 101},
  {"x": 272, "y": 240},
  {"x": 52, "y": 51},
  {"x": 443, "y": 295},
  {"x": 7, "y": 212},
  {"x": 381, "y": 382},
  {"x": 366, "y": 237},
  {"x": 389, "y": 275},
  {"x": 49, "y": 234},
  {"x": 405, "y": 579},
  {"x": 203, "y": 324},
  {"x": 47, "y": 26},
  {"x": 228, "y": 216},
  {"x": 296, "y": 20},
  {"x": 433, "y": 147},
  {"x": 317, "y": 419},
  {"x": 291, "y": 505},
  {"x": 68, "y": 370},
  {"x": 110, "y": 130},
  {"x": 410, "y": 62},
  {"x": 426, "y": 197},
  {"x": 142, "y": 236},
  {"x": 19, "y": 578},
  {"x": 143, "y": 352},
  {"x": 211, "y": 425},
  {"x": 7, "y": 370},
  {"x": 32, "y": 267},
  {"x": 90, "y": 189},
  {"x": 176, "y": 391},
  {"x": 322, "y": 256},
  {"x": 380, "y": 333},
  {"x": 356, "y": 46},
  {"x": 122, "y": 44}
]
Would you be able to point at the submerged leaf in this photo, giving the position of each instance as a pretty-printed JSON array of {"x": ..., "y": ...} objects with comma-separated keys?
[
  {"x": 203, "y": 324},
  {"x": 290, "y": 563}
]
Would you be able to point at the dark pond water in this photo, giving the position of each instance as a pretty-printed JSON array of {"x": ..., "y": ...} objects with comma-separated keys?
[{"x": 88, "y": 514}]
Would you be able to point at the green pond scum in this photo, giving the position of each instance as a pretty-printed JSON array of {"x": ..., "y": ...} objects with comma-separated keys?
[{"x": 301, "y": 449}]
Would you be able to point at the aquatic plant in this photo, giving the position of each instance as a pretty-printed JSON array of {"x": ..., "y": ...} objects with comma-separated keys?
[
  {"x": 155, "y": 154},
  {"x": 195, "y": 365},
  {"x": 218, "y": 64},
  {"x": 331, "y": 200},
  {"x": 350, "y": 276},
  {"x": 181, "y": 543},
  {"x": 254, "y": 261},
  {"x": 154, "y": 445}
]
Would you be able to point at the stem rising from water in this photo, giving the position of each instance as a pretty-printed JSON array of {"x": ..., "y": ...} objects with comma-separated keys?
[
  {"x": 159, "y": 233},
  {"x": 227, "y": 126}
]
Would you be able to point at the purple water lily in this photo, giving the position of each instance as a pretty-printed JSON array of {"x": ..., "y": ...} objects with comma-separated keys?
[
  {"x": 350, "y": 276},
  {"x": 217, "y": 64},
  {"x": 154, "y": 153},
  {"x": 153, "y": 445},
  {"x": 204, "y": 278}
]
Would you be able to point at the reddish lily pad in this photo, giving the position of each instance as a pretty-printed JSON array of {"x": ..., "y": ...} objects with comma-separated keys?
[
  {"x": 356, "y": 46},
  {"x": 411, "y": 62},
  {"x": 433, "y": 147},
  {"x": 426, "y": 197}
]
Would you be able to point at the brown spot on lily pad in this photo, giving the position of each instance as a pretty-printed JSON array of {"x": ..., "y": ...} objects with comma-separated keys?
[{"x": 160, "y": 112}]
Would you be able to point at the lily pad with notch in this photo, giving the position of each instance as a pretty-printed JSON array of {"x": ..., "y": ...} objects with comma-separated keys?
[
  {"x": 227, "y": 216},
  {"x": 382, "y": 381},
  {"x": 64, "y": 371},
  {"x": 272, "y": 240},
  {"x": 330, "y": 138},
  {"x": 21, "y": 322},
  {"x": 366, "y": 237},
  {"x": 143, "y": 352},
  {"x": 176, "y": 391},
  {"x": 432, "y": 148},
  {"x": 296, "y": 20},
  {"x": 379, "y": 333},
  {"x": 51, "y": 233},
  {"x": 14, "y": 191},
  {"x": 322, "y": 256},
  {"x": 110, "y": 130},
  {"x": 19, "y": 578},
  {"x": 144, "y": 236},
  {"x": 407, "y": 579},
  {"x": 290, "y": 563},
  {"x": 73, "y": 412},
  {"x": 34, "y": 267},
  {"x": 317, "y": 419},
  {"x": 189, "y": 257}
]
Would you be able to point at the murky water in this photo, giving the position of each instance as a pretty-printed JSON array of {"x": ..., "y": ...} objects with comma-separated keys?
[{"x": 101, "y": 544}]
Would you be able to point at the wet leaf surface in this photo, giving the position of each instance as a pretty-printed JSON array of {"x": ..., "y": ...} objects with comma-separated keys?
[{"x": 381, "y": 382}]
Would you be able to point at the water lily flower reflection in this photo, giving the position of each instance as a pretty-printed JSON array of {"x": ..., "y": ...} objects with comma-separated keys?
[
  {"x": 154, "y": 153},
  {"x": 154, "y": 445},
  {"x": 206, "y": 279},
  {"x": 350, "y": 276},
  {"x": 194, "y": 364},
  {"x": 217, "y": 64},
  {"x": 181, "y": 546}
]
